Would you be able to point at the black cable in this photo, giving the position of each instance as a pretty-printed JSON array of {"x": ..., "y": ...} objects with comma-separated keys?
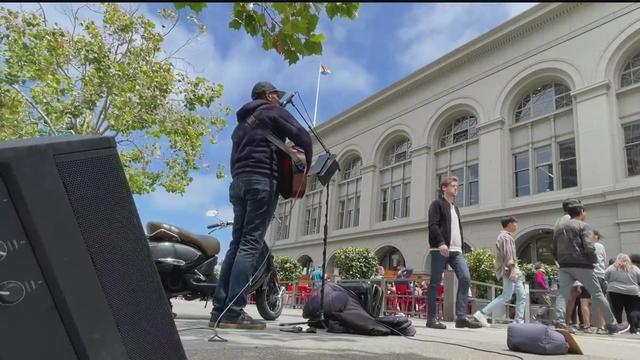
[
  {"x": 303, "y": 105},
  {"x": 315, "y": 134}
]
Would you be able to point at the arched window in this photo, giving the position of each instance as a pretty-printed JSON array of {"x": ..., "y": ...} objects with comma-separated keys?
[
  {"x": 283, "y": 219},
  {"x": 461, "y": 129},
  {"x": 631, "y": 72},
  {"x": 395, "y": 180},
  {"x": 544, "y": 152},
  {"x": 537, "y": 248},
  {"x": 390, "y": 257},
  {"x": 313, "y": 208},
  {"x": 349, "y": 187},
  {"x": 543, "y": 100},
  {"x": 457, "y": 156}
]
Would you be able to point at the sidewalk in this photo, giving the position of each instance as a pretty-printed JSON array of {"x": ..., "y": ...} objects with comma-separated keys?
[{"x": 274, "y": 344}]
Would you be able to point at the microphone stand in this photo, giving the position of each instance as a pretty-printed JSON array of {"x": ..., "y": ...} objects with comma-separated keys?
[{"x": 328, "y": 174}]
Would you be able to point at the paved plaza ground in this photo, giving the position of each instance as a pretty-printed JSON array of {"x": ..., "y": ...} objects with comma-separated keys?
[{"x": 277, "y": 345}]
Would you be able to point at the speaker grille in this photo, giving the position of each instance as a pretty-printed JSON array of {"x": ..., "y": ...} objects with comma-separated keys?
[{"x": 103, "y": 206}]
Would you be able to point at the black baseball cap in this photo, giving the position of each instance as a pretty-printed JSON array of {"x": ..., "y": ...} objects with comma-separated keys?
[{"x": 263, "y": 87}]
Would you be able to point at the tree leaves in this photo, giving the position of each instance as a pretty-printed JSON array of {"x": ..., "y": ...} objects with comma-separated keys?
[
  {"x": 195, "y": 6},
  {"x": 288, "y": 28},
  {"x": 112, "y": 79}
]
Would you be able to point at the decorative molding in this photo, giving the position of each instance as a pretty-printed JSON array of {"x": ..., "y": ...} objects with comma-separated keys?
[
  {"x": 589, "y": 92},
  {"x": 421, "y": 150},
  {"x": 368, "y": 168},
  {"x": 470, "y": 52},
  {"x": 491, "y": 125},
  {"x": 628, "y": 221}
]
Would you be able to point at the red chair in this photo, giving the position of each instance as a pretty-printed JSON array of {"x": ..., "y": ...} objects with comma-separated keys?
[
  {"x": 405, "y": 297},
  {"x": 304, "y": 294}
]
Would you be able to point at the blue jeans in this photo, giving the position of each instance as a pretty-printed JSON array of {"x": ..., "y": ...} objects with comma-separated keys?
[
  {"x": 459, "y": 265},
  {"x": 254, "y": 199},
  {"x": 508, "y": 287}
]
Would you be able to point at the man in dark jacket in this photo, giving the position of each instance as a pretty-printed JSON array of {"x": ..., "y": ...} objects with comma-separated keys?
[
  {"x": 445, "y": 241},
  {"x": 254, "y": 196},
  {"x": 575, "y": 254}
]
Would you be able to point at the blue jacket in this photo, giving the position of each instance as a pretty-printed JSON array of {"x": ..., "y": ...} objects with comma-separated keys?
[{"x": 252, "y": 153}]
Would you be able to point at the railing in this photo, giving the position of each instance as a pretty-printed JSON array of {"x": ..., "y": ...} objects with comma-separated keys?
[{"x": 411, "y": 304}]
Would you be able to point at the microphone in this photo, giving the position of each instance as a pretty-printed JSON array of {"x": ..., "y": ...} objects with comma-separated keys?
[{"x": 287, "y": 101}]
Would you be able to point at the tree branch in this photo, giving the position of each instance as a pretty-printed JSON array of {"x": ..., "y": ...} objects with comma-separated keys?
[
  {"x": 180, "y": 48},
  {"x": 44, "y": 117},
  {"x": 101, "y": 115},
  {"x": 44, "y": 16},
  {"x": 172, "y": 26}
]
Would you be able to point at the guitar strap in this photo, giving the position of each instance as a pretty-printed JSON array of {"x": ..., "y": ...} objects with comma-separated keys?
[{"x": 253, "y": 123}]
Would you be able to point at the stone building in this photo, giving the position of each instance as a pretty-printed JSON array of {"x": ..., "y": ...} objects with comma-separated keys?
[{"x": 544, "y": 107}]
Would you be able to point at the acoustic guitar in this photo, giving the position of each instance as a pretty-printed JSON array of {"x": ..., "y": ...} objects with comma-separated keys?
[
  {"x": 291, "y": 164},
  {"x": 293, "y": 175}
]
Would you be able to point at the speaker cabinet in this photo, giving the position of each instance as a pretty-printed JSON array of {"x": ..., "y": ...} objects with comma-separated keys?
[{"x": 77, "y": 280}]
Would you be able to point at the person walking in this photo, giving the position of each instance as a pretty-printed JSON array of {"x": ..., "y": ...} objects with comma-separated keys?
[
  {"x": 446, "y": 241},
  {"x": 599, "y": 268},
  {"x": 623, "y": 279},
  {"x": 506, "y": 270},
  {"x": 574, "y": 252}
]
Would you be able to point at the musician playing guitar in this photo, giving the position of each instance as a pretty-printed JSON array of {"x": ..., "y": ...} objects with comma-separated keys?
[{"x": 254, "y": 195}]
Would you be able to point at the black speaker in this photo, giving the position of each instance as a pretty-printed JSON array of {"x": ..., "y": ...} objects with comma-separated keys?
[{"x": 77, "y": 280}]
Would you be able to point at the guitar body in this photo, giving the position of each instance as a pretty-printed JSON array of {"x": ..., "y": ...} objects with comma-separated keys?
[{"x": 293, "y": 181}]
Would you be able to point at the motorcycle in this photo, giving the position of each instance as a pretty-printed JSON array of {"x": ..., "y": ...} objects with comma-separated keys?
[{"x": 186, "y": 263}]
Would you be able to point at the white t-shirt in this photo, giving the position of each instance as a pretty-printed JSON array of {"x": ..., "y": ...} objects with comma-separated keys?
[{"x": 456, "y": 237}]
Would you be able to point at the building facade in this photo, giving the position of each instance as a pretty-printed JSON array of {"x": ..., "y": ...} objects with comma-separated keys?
[{"x": 542, "y": 108}]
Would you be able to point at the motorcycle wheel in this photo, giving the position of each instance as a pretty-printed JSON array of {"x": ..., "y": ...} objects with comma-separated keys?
[{"x": 269, "y": 301}]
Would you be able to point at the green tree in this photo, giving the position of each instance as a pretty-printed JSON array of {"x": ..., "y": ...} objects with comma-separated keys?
[
  {"x": 108, "y": 79},
  {"x": 115, "y": 79},
  {"x": 356, "y": 262},
  {"x": 287, "y": 268}
]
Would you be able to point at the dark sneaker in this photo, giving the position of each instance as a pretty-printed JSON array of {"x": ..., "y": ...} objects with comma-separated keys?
[
  {"x": 214, "y": 318},
  {"x": 468, "y": 323},
  {"x": 243, "y": 321},
  {"x": 436, "y": 325},
  {"x": 613, "y": 329},
  {"x": 563, "y": 326}
]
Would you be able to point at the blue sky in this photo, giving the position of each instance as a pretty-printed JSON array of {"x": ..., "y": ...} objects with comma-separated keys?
[{"x": 387, "y": 42}]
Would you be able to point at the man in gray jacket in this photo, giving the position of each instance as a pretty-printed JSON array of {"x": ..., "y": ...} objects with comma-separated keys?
[{"x": 574, "y": 251}]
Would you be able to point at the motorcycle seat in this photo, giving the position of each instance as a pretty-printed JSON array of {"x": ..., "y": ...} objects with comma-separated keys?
[{"x": 160, "y": 231}]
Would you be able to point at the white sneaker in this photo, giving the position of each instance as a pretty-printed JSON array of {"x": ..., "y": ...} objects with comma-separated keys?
[{"x": 481, "y": 318}]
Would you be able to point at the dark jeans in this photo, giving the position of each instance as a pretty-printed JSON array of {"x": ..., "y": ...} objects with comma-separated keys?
[
  {"x": 254, "y": 200},
  {"x": 459, "y": 265}
]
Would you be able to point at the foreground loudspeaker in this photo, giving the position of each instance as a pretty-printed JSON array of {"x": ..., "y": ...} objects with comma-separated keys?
[{"x": 76, "y": 276}]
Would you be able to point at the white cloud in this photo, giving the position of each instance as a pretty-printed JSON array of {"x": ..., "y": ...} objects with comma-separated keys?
[{"x": 430, "y": 31}]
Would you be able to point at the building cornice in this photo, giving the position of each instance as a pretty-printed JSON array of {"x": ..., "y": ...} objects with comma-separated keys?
[
  {"x": 508, "y": 32},
  {"x": 598, "y": 89}
]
